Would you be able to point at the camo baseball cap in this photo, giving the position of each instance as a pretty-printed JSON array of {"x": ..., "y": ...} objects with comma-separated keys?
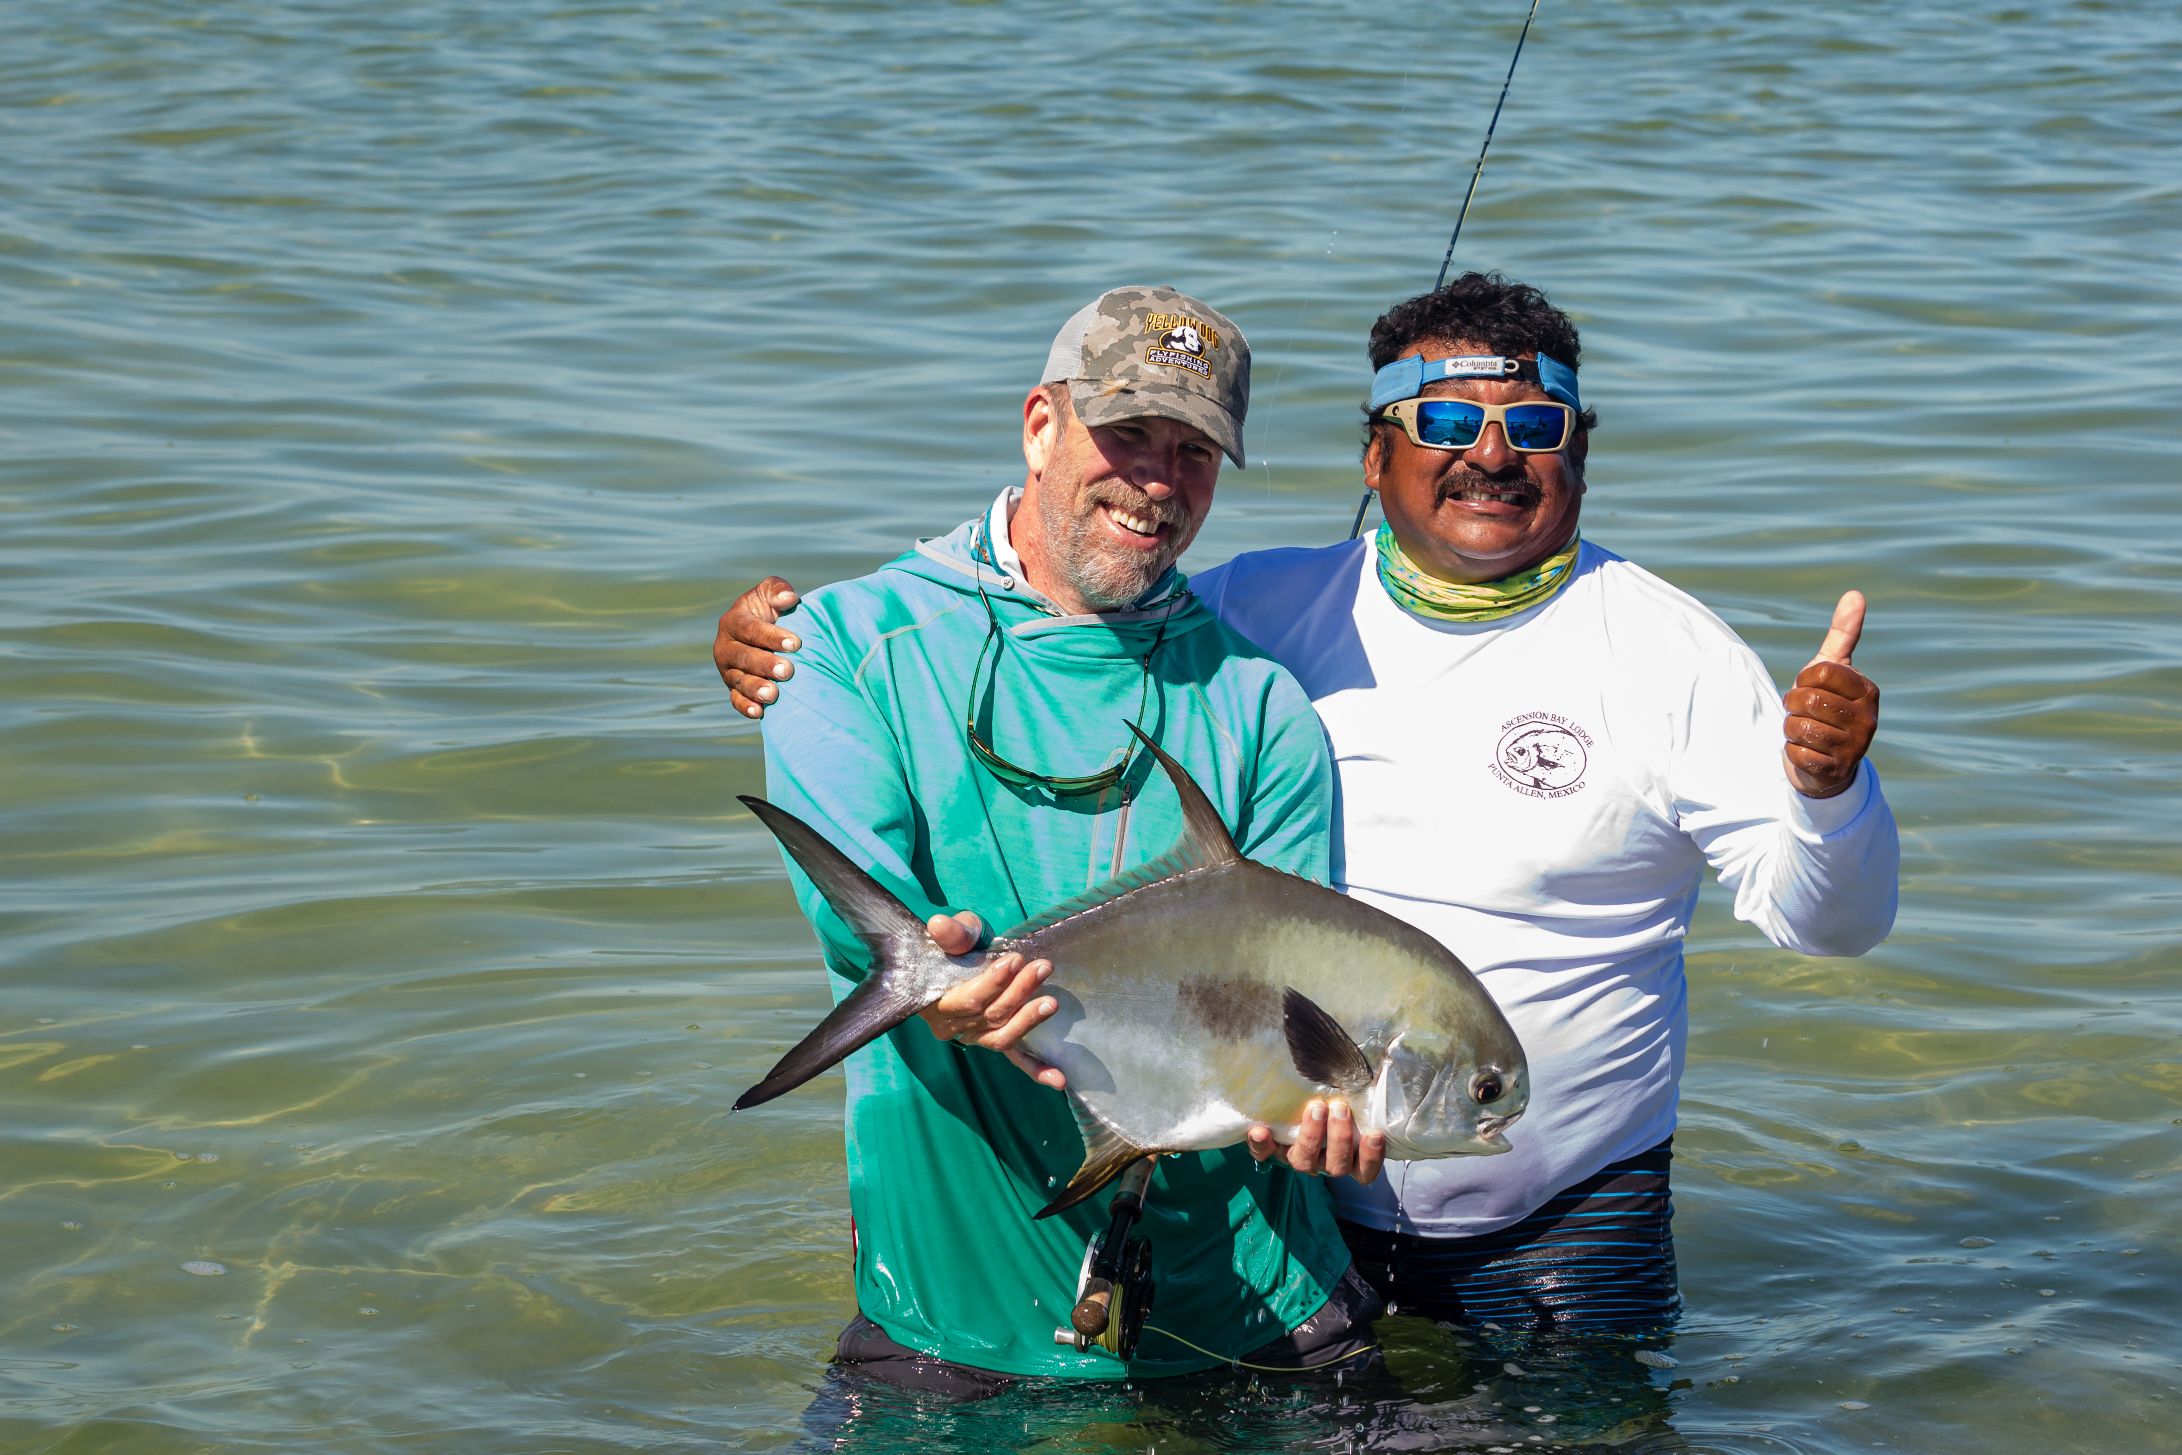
[{"x": 1140, "y": 351}]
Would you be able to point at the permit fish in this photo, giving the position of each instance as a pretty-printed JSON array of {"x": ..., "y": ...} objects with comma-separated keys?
[{"x": 1199, "y": 993}]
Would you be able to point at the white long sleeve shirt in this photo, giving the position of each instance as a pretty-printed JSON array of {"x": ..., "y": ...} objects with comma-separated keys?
[{"x": 1541, "y": 794}]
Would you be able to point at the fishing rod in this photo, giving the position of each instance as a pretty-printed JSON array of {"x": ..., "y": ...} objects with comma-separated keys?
[
  {"x": 1476, "y": 172},
  {"x": 1490, "y": 127}
]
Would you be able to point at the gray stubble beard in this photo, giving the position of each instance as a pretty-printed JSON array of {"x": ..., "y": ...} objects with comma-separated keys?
[{"x": 1105, "y": 580}]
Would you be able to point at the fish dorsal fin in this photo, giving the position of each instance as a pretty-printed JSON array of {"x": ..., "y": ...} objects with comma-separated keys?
[
  {"x": 1204, "y": 836},
  {"x": 1322, "y": 1050},
  {"x": 1106, "y": 1155},
  {"x": 1205, "y": 844},
  {"x": 1166, "y": 866}
]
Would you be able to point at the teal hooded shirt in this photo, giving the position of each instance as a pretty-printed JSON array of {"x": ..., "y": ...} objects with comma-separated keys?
[{"x": 950, "y": 1148}]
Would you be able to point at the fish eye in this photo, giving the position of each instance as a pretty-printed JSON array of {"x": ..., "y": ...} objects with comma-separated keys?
[{"x": 1485, "y": 1088}]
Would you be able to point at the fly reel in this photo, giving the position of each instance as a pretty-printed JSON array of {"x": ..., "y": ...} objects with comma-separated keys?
[{"x": 1114, "y": 1291}]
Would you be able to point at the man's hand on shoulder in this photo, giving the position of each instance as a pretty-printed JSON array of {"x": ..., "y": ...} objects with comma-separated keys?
[
  {"x": 1833, "y": 710},
  {"x": 1327, "y": 1143},
  {"x": 998, "y": 1006},
  {"x": 746, "y": 649}
]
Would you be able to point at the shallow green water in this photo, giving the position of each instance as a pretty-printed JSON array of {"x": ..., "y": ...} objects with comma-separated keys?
[{"x": 391, "y": 395}]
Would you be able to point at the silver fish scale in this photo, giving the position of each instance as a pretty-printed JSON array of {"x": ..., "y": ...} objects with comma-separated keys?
[{"x": 1171, "y": 1028}]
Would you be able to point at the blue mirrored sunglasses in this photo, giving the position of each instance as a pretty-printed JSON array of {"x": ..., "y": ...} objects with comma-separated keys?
[{"x": 1533, "y": 426}]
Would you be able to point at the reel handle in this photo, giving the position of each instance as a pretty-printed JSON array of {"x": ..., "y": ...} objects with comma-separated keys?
[
  {"x": 1089, "y": 1316},
  {"x": 1113, "y": 1258}
]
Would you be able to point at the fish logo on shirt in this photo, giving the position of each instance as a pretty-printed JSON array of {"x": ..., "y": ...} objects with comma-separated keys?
[{"x": 1542, "y": 755}]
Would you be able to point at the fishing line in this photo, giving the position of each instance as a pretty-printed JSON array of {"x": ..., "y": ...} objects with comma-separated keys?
[
  {"x": 1476, "y": 172},
  {"x": 1263, "y": 1368}
]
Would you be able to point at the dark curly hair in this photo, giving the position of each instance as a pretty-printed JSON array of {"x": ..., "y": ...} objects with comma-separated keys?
[{"x": 1479, "y": 308}]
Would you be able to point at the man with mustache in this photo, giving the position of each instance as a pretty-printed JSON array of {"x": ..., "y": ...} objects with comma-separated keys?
[
  {"x": 958, "y": 730},
  {"x": 1539, "y": 747}
]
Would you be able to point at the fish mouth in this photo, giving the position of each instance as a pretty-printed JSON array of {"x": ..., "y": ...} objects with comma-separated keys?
[{"x": 1489, "y": 1130}]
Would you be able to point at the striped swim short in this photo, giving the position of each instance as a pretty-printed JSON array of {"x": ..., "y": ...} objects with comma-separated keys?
[{"x": 1597, "y": 1257}]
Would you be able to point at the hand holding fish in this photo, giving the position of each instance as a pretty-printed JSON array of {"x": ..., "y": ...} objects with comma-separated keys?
[
  {"x": 994, "y": 1008},
  {"x": 1262, "y": 994},
  {"x": 748, "y": 637},
  {"x": 1833, "y": 710},
  {"x": 1327, "y": 1142}
]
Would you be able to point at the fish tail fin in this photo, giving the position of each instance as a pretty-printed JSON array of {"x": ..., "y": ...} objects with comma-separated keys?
[
  {"x": 1106, "y": 1155},
  {"x": 903, "y": 954}
]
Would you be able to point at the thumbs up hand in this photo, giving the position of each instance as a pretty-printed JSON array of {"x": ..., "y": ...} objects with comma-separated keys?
[{"x": 1833, "y": 710}]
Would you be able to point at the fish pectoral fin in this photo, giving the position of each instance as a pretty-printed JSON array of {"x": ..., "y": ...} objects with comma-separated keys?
[
  {"x": 1205, "y": 844},
  {"x": 1321, "y": 1049},
  {"x": 1106, "y": 1155}
]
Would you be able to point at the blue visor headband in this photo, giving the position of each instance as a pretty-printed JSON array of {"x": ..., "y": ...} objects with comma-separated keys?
[{"x": 1406, "y": 378}]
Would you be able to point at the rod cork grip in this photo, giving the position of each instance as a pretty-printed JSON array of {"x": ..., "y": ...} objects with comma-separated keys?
[{"x": 1089, "y": 1316}]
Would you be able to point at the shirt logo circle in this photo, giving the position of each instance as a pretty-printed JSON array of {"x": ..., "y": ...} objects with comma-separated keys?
[{"x": 1542, "y": 755}]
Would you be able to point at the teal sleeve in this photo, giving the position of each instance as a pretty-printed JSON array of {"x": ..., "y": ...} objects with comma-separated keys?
[
  {"x": 832, "y": 760},
  {"x": 1290, "y": 823}
]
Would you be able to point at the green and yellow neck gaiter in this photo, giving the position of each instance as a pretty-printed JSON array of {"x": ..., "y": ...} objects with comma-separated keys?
[{"x": 1469, "y": 601}]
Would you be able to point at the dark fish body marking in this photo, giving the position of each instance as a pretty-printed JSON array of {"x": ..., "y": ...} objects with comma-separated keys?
[{"x": 1228, "y": 1007}]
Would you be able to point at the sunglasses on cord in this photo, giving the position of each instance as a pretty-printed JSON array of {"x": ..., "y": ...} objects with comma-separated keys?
[{"x": 1063, "y": 785}]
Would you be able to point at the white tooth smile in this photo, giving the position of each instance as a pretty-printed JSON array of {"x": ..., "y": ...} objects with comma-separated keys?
[{"x": 1135, "y": 524}]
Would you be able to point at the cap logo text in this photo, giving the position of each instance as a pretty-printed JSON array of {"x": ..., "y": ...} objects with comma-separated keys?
[{"x": 1169, "y": 324}]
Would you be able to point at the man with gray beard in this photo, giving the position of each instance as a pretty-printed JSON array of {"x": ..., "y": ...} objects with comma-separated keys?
[{"x": 958, "y": 731}]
